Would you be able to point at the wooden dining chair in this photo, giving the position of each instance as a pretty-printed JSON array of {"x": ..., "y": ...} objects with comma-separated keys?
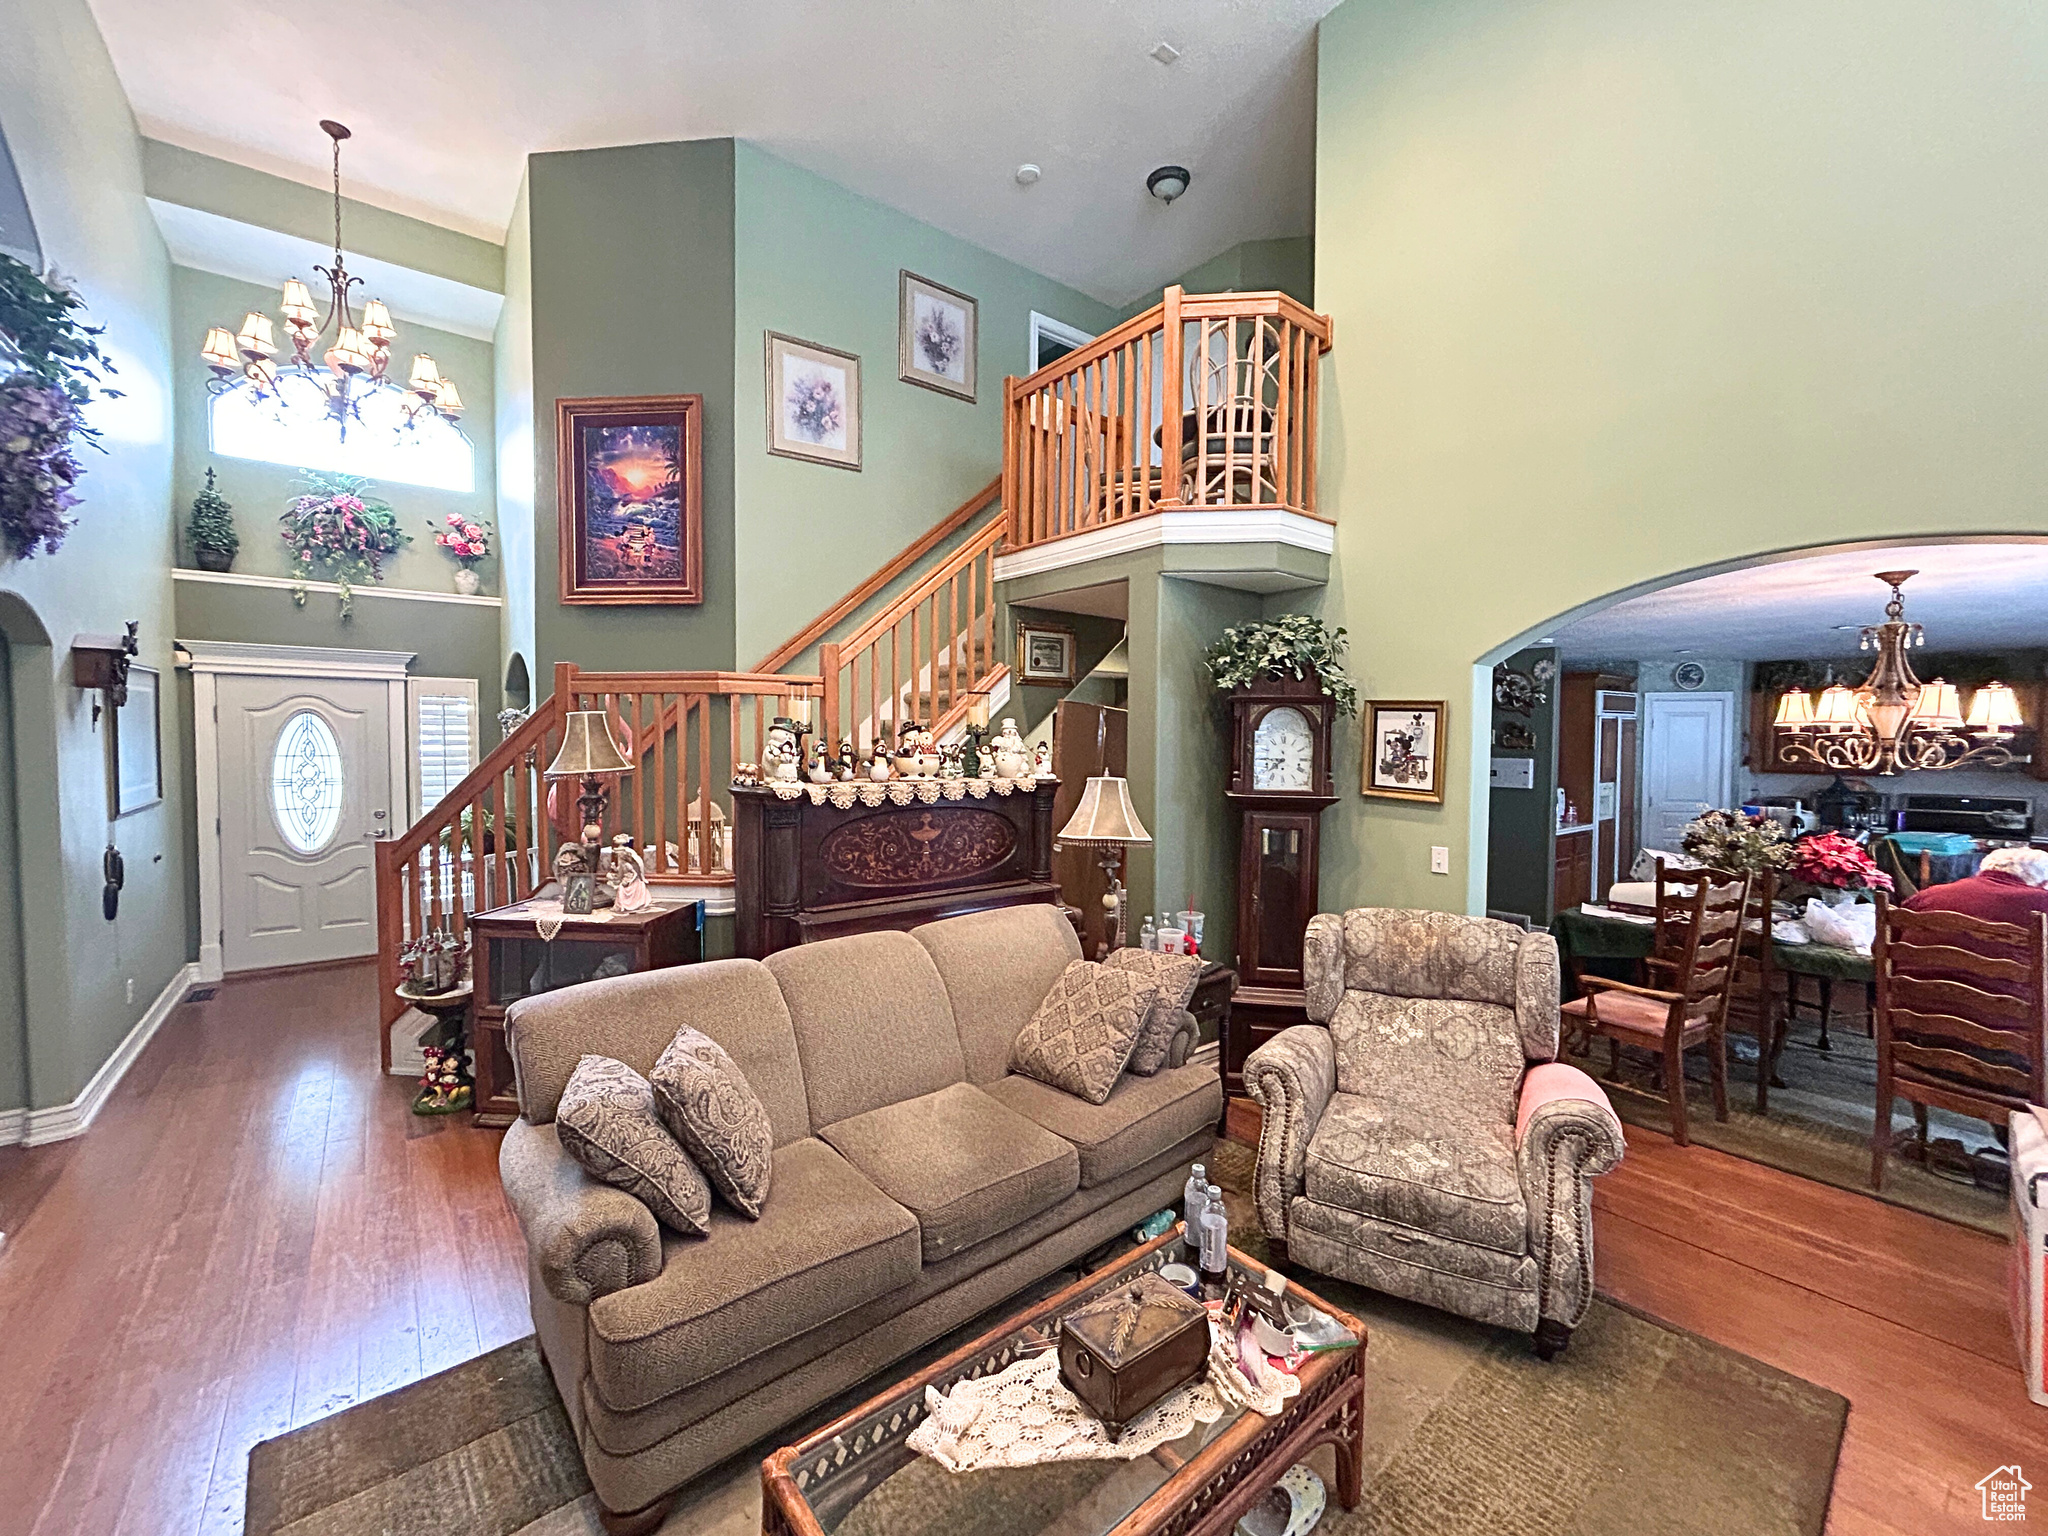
[
  {"x": 1962, "y": 1018},
  {"x": 1699, "y": 926},
  {"x": 1758, "y": 956}
]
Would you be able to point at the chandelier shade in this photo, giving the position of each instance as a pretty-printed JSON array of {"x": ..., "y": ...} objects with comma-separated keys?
[{"x": 1894, "y": 722}]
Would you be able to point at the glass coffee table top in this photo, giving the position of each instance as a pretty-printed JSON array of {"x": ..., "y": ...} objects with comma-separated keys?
[{"x": 858, "y": 1476}]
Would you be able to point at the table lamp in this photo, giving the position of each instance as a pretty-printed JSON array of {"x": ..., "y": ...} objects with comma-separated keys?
[
  {"x": 589, "y": 753},
  {"x": 1104, "y": 819}
]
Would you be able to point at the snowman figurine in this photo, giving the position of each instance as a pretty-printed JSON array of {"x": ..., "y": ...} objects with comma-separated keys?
[
  {"x": 1041, "y": 761},
  {"x": 1011, "y": 761}
]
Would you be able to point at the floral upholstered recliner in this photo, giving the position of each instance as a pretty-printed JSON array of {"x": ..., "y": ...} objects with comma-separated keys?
[{"x": 1419, "y": 1137}]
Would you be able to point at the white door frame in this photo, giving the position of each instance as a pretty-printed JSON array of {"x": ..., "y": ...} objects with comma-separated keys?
[
  {"x": 211, "y": 660},
  {"x": 1646, "y": 748}
]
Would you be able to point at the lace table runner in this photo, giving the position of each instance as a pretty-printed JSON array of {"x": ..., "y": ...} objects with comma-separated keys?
[{"x": 1025, "y": 1416}]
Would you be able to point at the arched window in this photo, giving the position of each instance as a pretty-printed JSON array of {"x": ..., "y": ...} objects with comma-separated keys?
[{"x": 295, "y": 427}]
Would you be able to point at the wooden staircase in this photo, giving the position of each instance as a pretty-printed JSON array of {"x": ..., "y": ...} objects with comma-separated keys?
[{"x": 492, "y": 840}]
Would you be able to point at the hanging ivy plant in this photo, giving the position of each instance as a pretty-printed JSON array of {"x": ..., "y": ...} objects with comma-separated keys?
[
  {"x": 1294, "y": 645},
  {"x": 340, "y": 524},
  {"x": 50, "y": 368}
]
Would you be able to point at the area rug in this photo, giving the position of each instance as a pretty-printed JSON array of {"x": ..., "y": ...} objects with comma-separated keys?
[{"x": 1638, "y": 1428}]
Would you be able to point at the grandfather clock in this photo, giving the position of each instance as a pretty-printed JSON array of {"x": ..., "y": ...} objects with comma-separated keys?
[{"x": 1280, "y": 781}]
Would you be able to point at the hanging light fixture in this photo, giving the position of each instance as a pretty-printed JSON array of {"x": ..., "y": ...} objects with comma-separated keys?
[
  {"x": 355, "y": 360},
  {"x": 1894, "y": 722}
]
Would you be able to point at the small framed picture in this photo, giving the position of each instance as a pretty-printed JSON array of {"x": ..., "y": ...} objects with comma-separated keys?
[
  {"x": 1404, "y": 749},
  {"x": 134, "y": 744},
  {"x": 579, "y": 894},
  {"x": 631, "y": 499},
  {"x": 937, "y": 336},
  {"x": 813, "y": 402},
  {"x": 1045, "y": 654}
]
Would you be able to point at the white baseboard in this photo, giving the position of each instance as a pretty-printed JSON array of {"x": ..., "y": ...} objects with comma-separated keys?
[
  {"x": 407, "y": 1059},
  {"x": 13, "y": 1126},
  {"x": 36, "y": 1127}
]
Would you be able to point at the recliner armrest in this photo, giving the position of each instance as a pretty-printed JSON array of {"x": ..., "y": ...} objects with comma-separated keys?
[
  {"x": 1292, "y": 1076},
  {"x": 1566, "y": 1133},
  {"x": 587, "y": 1238}
]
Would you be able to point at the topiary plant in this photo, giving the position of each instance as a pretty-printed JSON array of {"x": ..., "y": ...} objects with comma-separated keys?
[
  {"x": 1294, "y": 645},
  {"x": 210, "y": 534}
]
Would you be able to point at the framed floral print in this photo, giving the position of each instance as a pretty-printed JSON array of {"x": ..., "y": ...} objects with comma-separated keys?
[
  {"x": 630, "y": 482},
  {"x": 1404, "y": 749},
  {"x": 813, "y": 402},
  {"x": 938, "y": 336}
]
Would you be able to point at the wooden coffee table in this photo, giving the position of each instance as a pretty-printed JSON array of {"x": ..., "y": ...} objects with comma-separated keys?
[{"x": 1196, "y": 1486}]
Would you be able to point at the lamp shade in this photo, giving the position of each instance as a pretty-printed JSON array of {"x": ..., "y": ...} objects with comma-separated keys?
[
  {"x": 257, "y": 339},
  {"x": 1995, "y": 707},
  {"x": 425, "y": 375},
  {"x": 1105, "y": 815},
  {"x": 1795, "y": 710},
  {"x": 446, "y": 400},
  {"x": 587, "y": 747},
  {"x": 350, "y": 352},
  {"x": 1837, "y": 709},
  {"x": 1938, "y": 708},
  {"x": 220, "y": 351},
  {"x": 298, "y": 303},
  {"x": 377, "y": 324}
]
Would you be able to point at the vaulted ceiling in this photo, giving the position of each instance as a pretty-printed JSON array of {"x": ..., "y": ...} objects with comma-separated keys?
[{"x": 929, "y": 106}]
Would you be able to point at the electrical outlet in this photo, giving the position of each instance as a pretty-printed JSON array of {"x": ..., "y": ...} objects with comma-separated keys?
[
  {"x": 1439, "y": 861},
  {"x": 131, "y": 989}
]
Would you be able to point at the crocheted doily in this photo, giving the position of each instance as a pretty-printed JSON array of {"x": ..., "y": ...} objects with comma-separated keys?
[{"x": 896, "y": 791}]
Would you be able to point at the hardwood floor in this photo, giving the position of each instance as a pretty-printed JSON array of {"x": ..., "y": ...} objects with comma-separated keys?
[{"x": 257, "y": 1232}]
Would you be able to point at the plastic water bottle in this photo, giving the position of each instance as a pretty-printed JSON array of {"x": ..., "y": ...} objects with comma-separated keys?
[
  {"x": 1193, "y": 1201},
  {"x": 1214, "y": 1262},
  {"x": 1148, "y": 936}
]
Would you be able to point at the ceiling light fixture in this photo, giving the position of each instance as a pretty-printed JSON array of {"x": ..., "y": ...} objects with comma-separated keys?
[
  {"x": 1894, "y": 721},
  {"x": 1165, "y": 53},
  {"x": 356, "y": 359},
  {"x": 1168, "y": 182},
  {"x": 1027, "y": 173}
]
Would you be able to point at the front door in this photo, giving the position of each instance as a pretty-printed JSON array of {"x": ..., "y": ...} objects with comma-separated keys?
[
  {"x": 1686, "y": 761},
  {"x": 305, "y": 789}
]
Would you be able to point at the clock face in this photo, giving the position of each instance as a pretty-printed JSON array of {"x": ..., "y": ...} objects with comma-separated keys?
[{"x": 1284, "y": 751}]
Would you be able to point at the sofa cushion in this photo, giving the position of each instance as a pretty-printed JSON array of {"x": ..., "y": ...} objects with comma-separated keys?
[
  {"x": 706, "y": 1102},
  {"x": 873, "y": 1023},
  {"x": 1141, "y": 1118},
  {"x": 1441, "y": 1170},
  {"x": 964, "y": 1165},
  {"x": 607, "y": 1122},
  {"x": 1084, "y": 1031},
  {"x": 1176, "y": 977},
  {"x": 828, "y": 1242},
  {"x": 633, "y": 1018},
  {"x": 996, "y": 966}
]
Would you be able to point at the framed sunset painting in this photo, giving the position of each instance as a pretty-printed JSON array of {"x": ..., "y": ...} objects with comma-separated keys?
[
  {"x": 630, "y": 473},
  {"x": 813, "y": 402}
]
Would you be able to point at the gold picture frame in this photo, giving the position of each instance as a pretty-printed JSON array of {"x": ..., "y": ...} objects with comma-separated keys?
[
  {"x": 938, "y": 336},
  {"x": 1045, "y": 654},
  {"x": 1404, "y": 750},
  {"x": 814, "y": 409}
]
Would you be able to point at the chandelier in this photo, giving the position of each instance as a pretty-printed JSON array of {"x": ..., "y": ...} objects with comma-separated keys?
[
  {"x": 356, "y": 357},
  {"x": 1895, "y": 722}
]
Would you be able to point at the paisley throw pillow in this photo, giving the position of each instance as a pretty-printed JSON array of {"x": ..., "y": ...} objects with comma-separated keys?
[
  {"x": 707, "y": 1102},
  {"x": 1176, "y": 977},
  {"x": 607, "y": 1122},
  {"x": 1083, "y": 1032}
]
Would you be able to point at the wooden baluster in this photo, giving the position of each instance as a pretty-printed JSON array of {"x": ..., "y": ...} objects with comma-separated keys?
[
  {"x": 1283, "y": 417},
  {"x": 1171, "y": 386},
  {"x": 1312, "y": 384},
  {"x": 707, "y": 845},
  {"x": 1013, "y": 440},
  {"x": 952, "y": 638}
]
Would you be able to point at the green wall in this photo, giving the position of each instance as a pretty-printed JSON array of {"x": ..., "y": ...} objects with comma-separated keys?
[
  {"x": 821, "y": 263},
  {"x": 1522, "y": 823},
  {"x": 80, "y": 159},
  {"x": 630, "y": 284},
  {"x": 259, "y": 491},
  {"x": 1625, "y": 292},
  {"x": 1251, "y": 266},
  {"x": 512, "y": 384}
]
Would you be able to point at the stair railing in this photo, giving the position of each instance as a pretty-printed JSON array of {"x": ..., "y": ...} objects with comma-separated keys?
[{"x": 1204, "y": 400}]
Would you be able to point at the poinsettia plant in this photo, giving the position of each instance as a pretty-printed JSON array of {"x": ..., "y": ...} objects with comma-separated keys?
[
  {"x": 50, "y": 365},
  {"x": 468, "y": 539},
  {"x": 338, "y": 524},
  {"x": 1839, "y": 863}
]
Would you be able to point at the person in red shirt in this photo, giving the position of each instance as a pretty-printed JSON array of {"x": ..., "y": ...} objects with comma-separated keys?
[{"x": 2009, "y": 887}]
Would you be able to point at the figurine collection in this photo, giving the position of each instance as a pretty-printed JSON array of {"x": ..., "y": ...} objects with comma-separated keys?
[{"x": 917, "y": 754}]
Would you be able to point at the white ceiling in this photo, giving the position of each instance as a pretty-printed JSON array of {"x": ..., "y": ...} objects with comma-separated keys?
[
  {"x": 927, "y": 105},
  {"x": 1971, "y": 597}
]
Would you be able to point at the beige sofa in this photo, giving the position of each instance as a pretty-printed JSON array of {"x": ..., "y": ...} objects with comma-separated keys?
[{"x": 917, "y": 1182}]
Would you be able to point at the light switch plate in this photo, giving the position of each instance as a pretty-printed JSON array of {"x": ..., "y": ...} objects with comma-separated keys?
[{"x": 1439, "y": 861}]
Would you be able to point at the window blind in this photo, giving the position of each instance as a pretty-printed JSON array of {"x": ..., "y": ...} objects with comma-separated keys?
[{"x": 444, "y": 738}]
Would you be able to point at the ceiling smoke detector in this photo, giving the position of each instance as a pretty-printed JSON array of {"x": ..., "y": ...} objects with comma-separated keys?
[
  {"x": 1168, "y": 182},
  {"x": 1027, "y": 173}
]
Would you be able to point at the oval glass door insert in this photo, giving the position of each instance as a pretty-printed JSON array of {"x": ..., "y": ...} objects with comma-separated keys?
[{"x": 305, "y": 782}]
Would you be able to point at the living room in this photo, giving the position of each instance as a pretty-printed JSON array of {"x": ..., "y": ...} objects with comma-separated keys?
[{"x": 1397, "y": 338}]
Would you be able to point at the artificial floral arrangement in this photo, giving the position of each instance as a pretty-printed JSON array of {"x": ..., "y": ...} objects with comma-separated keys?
[
  {"x": 465, "y": 538},
  {"x": 1729, "y": 840},
  {"x": 1836, "y": 862},
  {"x": 338, "y": 524},
  {"x": 50, "y": 365},
  {"x": 1293, "y": 645},
  {"x": 210, "y": 534}
]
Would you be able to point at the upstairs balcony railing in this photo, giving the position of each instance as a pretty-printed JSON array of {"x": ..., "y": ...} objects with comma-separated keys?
[{"x": 1202, "y": 401}]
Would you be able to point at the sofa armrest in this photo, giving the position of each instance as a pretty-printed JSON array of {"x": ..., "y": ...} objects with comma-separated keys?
[
  {"x": 1292, "y": 1076},
  {"x": 587, "y": 1239},
  {"x": 1565, "y": 1133},
  {"x": 1184, "y": 1041}
]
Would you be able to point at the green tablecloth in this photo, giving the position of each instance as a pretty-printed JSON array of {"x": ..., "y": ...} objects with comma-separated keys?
[{"x": 1585, "y": 937}]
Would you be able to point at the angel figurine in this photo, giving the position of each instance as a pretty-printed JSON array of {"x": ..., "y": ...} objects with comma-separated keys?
[{"x": 629, "y": 876}]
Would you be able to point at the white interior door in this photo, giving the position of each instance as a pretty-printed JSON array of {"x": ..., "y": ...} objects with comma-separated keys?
[
  {"x": 1686, "y": 761},
  {"x": 305, "y": 789}
]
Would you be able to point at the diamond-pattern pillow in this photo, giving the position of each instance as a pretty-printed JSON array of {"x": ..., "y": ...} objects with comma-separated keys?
[
  {"x": 704, "y": 1098},
  {"x": 1176, "y": 977},
  {"x": 1083, "y": 1032},
  {"x": 606, "y": 1121}
]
